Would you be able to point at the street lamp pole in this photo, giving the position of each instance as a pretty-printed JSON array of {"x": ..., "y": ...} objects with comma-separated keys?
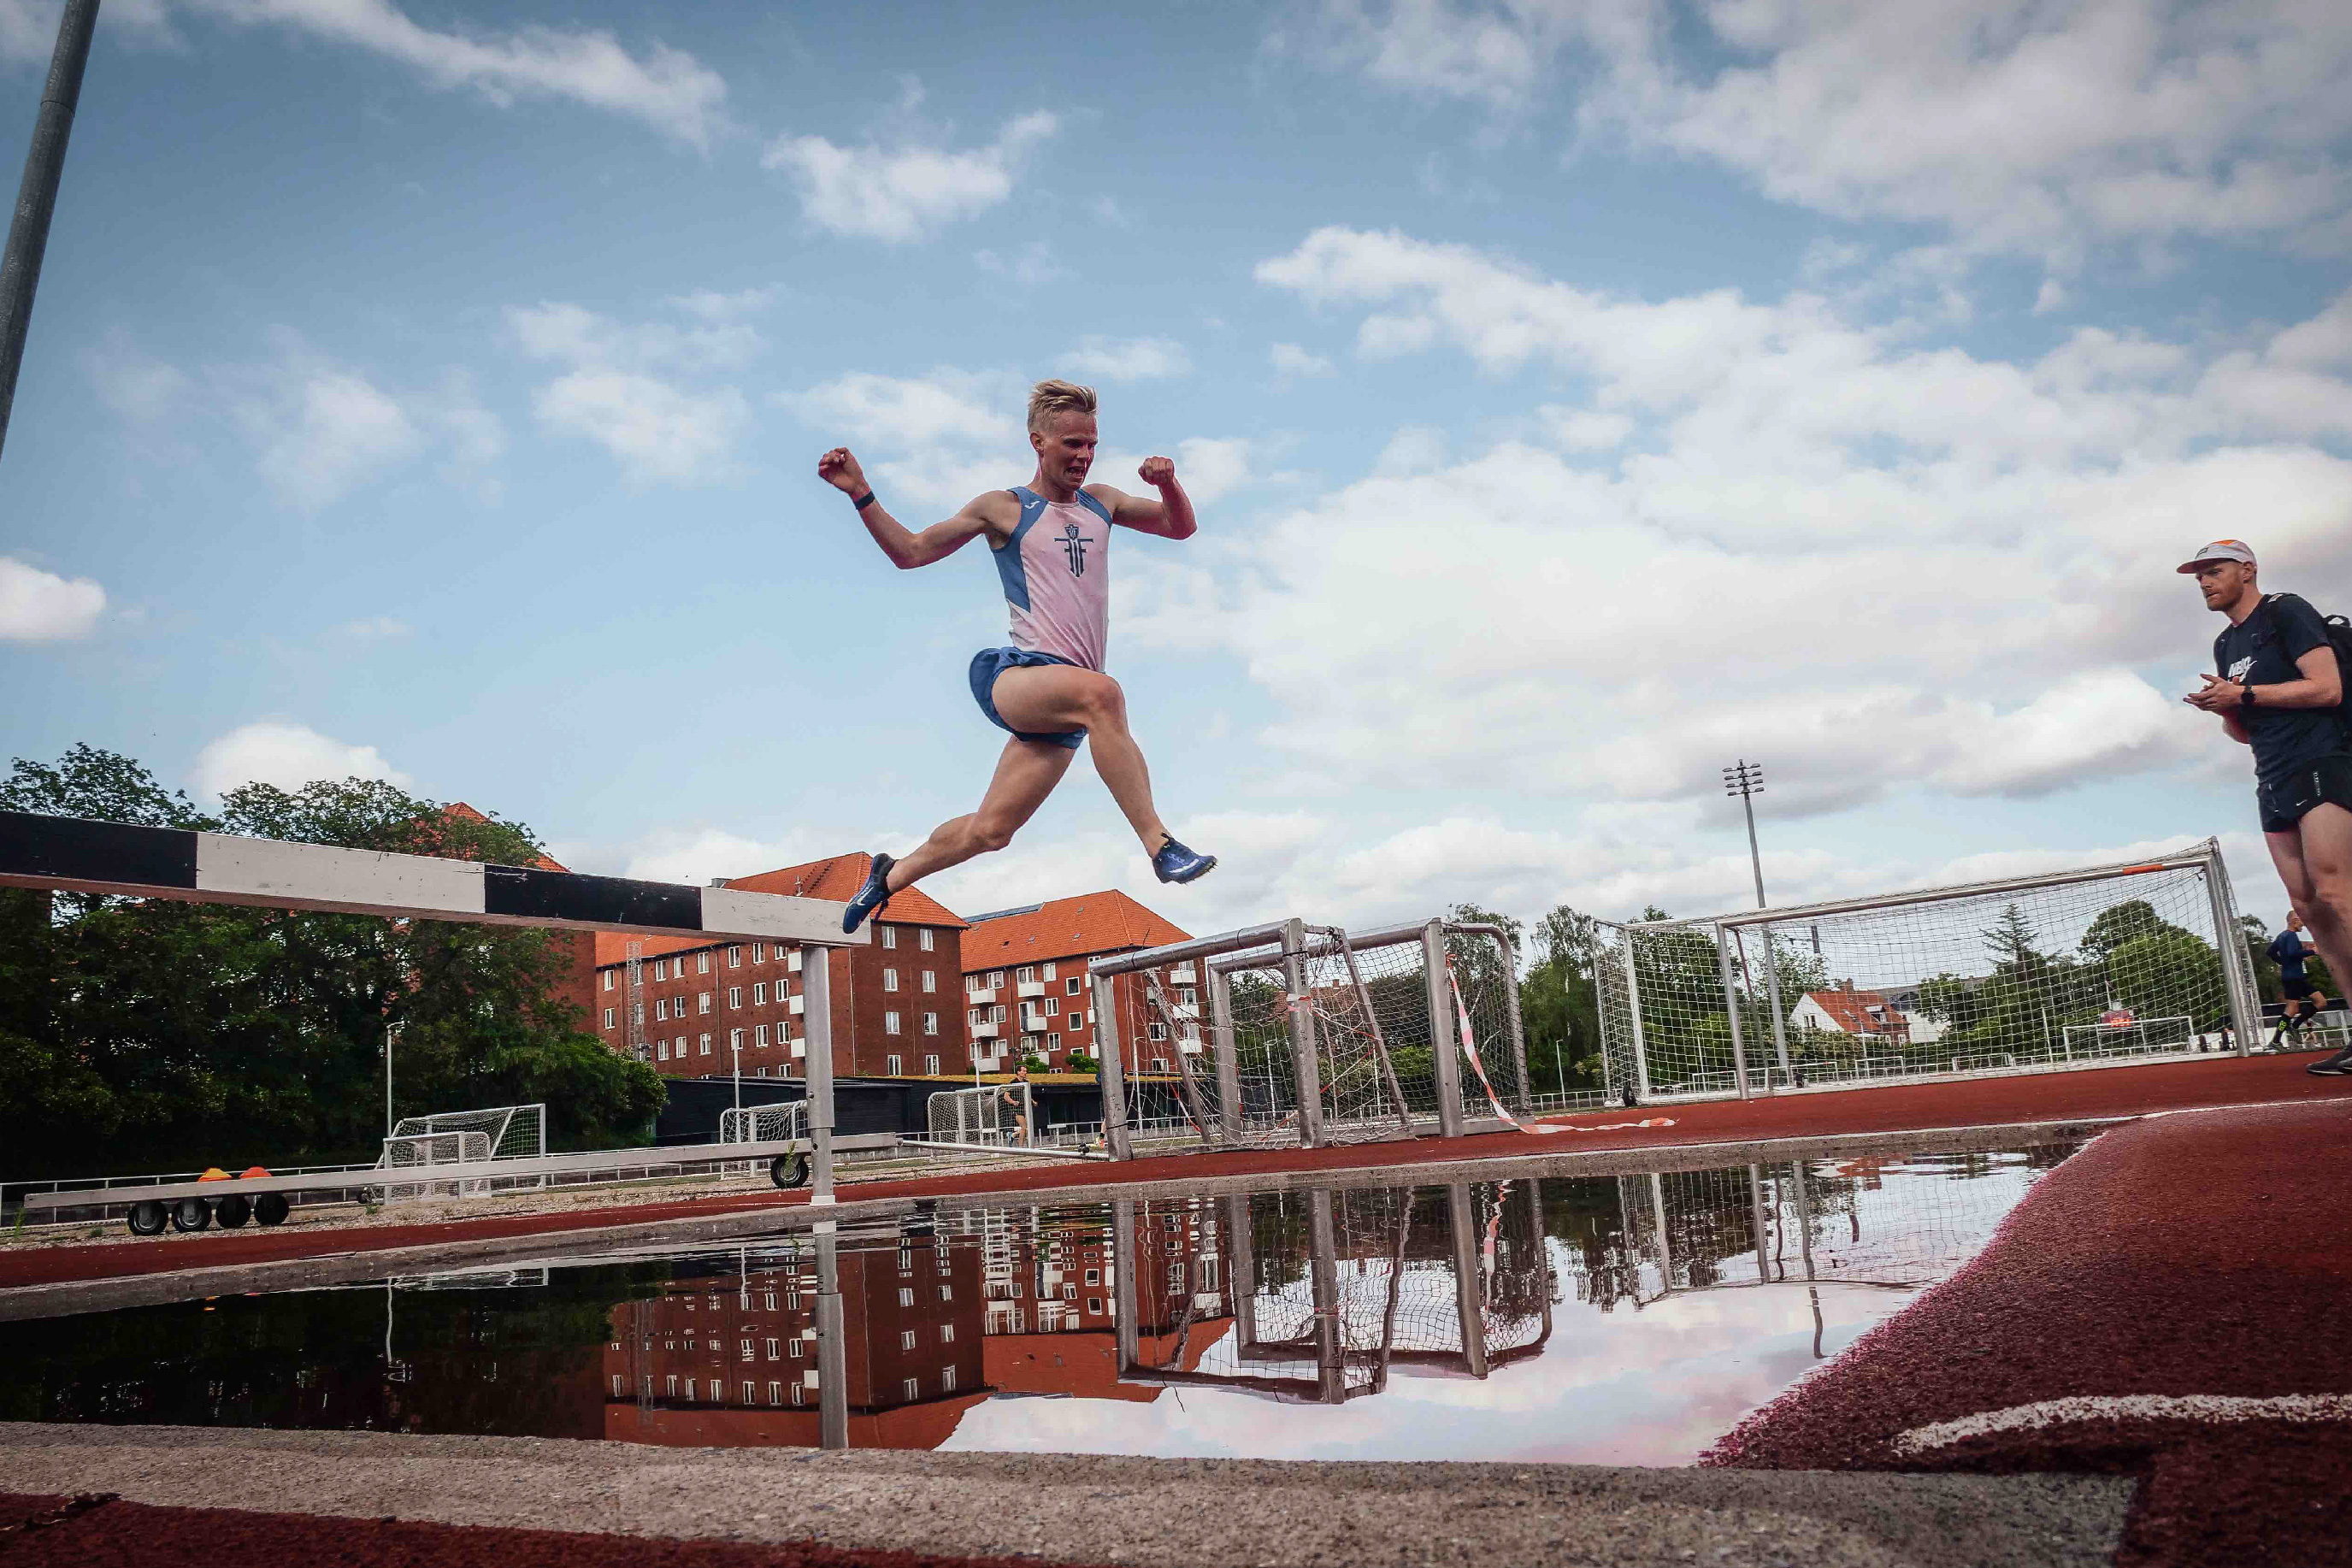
[
  {"x": 390, "y": 1032},
  {"x": 1746, "y": 779}
]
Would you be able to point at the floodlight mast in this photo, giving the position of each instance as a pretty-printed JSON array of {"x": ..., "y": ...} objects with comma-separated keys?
[
  {"x": 37, "y": 198},
  {"x": 1746, "y": 780}
]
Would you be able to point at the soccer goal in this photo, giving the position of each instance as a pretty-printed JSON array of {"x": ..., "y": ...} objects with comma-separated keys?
[
  {"x": 455, "y": 1137},
  {"x": 418, "y": 1153},
  {"x": 764, "y": 1123},
  {"x": 992, "y": 1115},
  {"x": 2076, "y": 969}
]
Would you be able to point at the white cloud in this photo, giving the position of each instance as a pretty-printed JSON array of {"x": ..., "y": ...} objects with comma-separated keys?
[
  {"x": 134, "y": 383},
  {"x": 1127, "y": 359},
  {"x": 695, "y": 856},
  {"x": 667, "y": 89},
  {"x": 2020, "y": 126},
  {"x": 627, "y": 385},
  {"x": 903, "y": 193},
  {"x": 376, "y": 628},
  {"x": 322, "y": 431},
  {"x": 1762, "y": 529},
  {"x": 1033, "y": 263},
  {"x": 41, "y": 606},
  {"x": 1290, "y": 358},
  {"x": 286, "y": 755}
]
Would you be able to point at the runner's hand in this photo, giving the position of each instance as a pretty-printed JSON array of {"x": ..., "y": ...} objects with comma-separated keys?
[
  {"x": 840, "y": 470},
  {"x": 2217, "y": 695},
  {"x": 1158, "y": 472}
]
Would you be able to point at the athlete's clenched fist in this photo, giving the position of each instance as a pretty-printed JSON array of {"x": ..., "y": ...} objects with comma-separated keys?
[
  {"x": 840, "y": 470},
  {"x": 1157, "y": 472}
]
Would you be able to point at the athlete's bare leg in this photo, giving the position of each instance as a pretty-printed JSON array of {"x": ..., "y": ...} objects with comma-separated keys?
[
  {"x": 1048, "y": 698},
  {"x": 2314, "y": 862},
  {"x": 1026, "y": 775}
]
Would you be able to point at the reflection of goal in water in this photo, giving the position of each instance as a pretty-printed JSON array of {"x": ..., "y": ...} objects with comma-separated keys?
[{"x": 464, "y": 1137}]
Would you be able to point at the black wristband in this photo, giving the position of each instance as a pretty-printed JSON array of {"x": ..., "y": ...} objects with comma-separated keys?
[
  {"x": 862, "y": 502},
  {"x": 2245, "y": 696}
]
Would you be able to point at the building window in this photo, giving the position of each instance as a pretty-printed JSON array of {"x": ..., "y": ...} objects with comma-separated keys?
[
  {"x": 661, "y": 969},
  {"x": 914, "y": 1388},
  {"x": 932, "y": 1024},
  {"x": 930, "y": 980},
  {"x": 889, "y": 936},
  {"x": 708, "y": 997},
  {"x": 1072, "y": 989},
  {"x": 758, "y": 952},
  {"x": 1156, "y": 1031},
  {"x": 1024, "y": 974},
  {"x": 927, "y": 939},
  {"x": 608, "y": 980},
  {"x": 735, "y": 958},
  {"x": 760, "y": 994},
  {"x": 931, "y": 1065},
  {"x": 905, "y": 1295},
  {"x": 702, "y": 963},
  {"x": 706, "y": 1045},
  {"x": 1049, "y": 972},
  {"x": 947, "y": 1333},
  {"x": 734, "y": 996},
  {"x": 893, "y": 1067},
  {"x": 1049, "y": 1005},
  {"x": 734, "y": 1039},
  {"x": 1188, "y": 998},
  {"x": 889, "y": 1022},
  {"x": 661, "y": 1050},
  {"x": 946, "y": 1292},
  {"x": 661, "y": 1010},
  {"x": 1094, "y": 1276},
  {"x": 759, "y": 1040},
  {"x": 889, "y": 980},
  {"x": 775, "y": 1393},
  {"x": 1160, "y": 1064},
  {"x": 906, "y": 1339},
  {"x": 608, "y": 1016}
]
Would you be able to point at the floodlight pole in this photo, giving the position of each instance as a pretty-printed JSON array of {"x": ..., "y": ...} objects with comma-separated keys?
[
  {"x": 37, "y": 198},
  {"x": 1746, "y": 779}
]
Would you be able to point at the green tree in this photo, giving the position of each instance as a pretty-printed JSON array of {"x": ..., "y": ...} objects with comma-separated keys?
[
  {"x": 168, "y": 1033},
  {"x": 1559, "y": 1003}
]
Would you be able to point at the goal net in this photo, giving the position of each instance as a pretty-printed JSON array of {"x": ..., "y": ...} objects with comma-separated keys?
[
  {"x": 418, "y": 1153},
  {"x": 1364, "y": 1041},
  {"x": 764, "y": 1123},
  {"x": 2069, "y": 970},
  {"x": 998, "y": 1115},
  {"x": 494, "y": 1132}
]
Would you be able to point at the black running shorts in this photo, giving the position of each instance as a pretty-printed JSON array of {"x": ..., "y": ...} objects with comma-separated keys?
[{"x": 2325, "y": 781}]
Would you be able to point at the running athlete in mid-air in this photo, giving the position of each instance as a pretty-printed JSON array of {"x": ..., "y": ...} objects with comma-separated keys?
[{"x": 1052, "y": 542}]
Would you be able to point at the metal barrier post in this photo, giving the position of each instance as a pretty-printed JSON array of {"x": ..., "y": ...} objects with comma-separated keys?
[
  {"x": 1633, "y": 1004},
  {"x": 1110, "y": 1072},
  {"x": 832, "y": 1344},
  {"x": 816, "y": 1013},
  {"x": 2245, "y": 1007},
  {"x": 1779, "y": 1026},
  {"x": 1221, "y": 1036},
  {"x": 1443, "y": 1048},
  {"x": 1731, "y": 1009},
  {"x": 1303, "y": 1063},
  {"x": 1126, "y": 1333},
  {"x": 1331, "y": 1381},
  {"x": 1240, "y": 1264}
]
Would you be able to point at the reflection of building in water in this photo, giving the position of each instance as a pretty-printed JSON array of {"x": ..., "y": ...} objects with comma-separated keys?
[
  {"x": 1327, "y": 1291},
  {"x": 728, "y": 1356}
]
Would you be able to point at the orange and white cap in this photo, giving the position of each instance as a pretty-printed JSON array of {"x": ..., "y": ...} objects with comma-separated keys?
[{"x": 2220, "y": 550}]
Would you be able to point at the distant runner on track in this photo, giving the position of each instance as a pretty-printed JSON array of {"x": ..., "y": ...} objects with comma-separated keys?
[
  {"x": 2301, "y": 996},
  {"x": 1052, "y": 543},
  {"x": 2280, "y": 689}
]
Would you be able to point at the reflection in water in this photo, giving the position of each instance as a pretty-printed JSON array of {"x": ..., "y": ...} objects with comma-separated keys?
[{"x": 1629, "y": 1319}]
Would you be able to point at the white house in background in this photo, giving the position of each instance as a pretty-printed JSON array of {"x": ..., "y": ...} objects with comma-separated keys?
[{"x": 1843, "y": 1010}]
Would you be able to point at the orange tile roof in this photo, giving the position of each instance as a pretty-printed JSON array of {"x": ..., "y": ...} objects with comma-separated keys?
[
  {"x": 1850, "y": 1011},
  {"x": 1066, "y": 928},
  {"x": 834, "y": 879}
]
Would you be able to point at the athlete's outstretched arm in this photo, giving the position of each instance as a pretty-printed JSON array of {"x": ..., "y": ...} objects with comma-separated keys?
[
  {"x": 906, "y": 550},
  {"x": 1170, "y": 516}
]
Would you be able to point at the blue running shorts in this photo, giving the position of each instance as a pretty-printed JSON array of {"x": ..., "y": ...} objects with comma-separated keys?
[{"x": 991, "y": 662}]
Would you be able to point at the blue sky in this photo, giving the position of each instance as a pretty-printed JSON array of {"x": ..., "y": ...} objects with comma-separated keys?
[{"x": 1576, "y": 398}]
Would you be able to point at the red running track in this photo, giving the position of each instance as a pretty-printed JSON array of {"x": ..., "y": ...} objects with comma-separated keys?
[
  {"x": 2205, "y": 1255},
  {"x": 103, "y": 1531},
  {"x": 2105, "y": 1091}
]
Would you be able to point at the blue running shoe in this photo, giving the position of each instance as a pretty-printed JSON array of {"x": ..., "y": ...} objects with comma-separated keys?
[
  {"x": 1174, "y": 863},
  {"x": 872, "y": 896}
]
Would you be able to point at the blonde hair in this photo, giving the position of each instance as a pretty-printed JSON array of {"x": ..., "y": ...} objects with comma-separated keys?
[{"x": 1058, "y": 397}]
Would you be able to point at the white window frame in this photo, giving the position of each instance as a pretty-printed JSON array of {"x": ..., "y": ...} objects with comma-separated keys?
[
  {"x": 889, "y": 936},
  {"x": 894, "y": 1066},
  {"x": 930, "y": 981},
  {"x": 889, "y": 980},
  {"x": 930, "y": 1066},
  {"x": 706, "y": 1045},
  {"x": 891, "y": 1022},
  {"x": 932, "y": 1024},
  {"x": 928, "y": 939}
]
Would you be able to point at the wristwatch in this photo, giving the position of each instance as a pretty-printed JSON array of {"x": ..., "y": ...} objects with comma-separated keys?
[{"x": 2245, "y": 696}]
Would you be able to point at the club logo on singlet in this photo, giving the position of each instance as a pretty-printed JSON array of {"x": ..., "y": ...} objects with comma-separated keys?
[{"x": 1074, "y": 545}]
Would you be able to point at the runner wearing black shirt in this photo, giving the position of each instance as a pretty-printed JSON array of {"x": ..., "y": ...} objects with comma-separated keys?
[
  {"x": 2300, "y": 997},
  {"x": 2278, "y": 691}
]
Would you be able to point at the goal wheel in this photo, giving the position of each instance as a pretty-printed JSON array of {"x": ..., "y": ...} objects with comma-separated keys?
[
  {"x": 233, "y": 1211},
  {"x": 789, "y": 1170},
  {"x": 191, "y": 1213},
  {"x": 146, "y": 1217},
  {"x": 272, "y": 1208}
]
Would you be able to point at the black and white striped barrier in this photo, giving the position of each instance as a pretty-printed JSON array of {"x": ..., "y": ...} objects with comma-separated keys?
[{"x": 77, "y": 855}]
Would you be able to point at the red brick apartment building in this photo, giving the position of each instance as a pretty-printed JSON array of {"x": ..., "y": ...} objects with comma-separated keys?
[
  {"x": 897, "y": 1010},
  {"x": 1025, "y": 987}
]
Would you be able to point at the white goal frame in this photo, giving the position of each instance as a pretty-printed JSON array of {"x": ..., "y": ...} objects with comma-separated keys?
[
  {"x": 1692, "y": 1009},
  {"x": 978, "y": 1117},
  {"x": 2139, "y": 1037},
  {"x": 505, "y": 1132}
]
